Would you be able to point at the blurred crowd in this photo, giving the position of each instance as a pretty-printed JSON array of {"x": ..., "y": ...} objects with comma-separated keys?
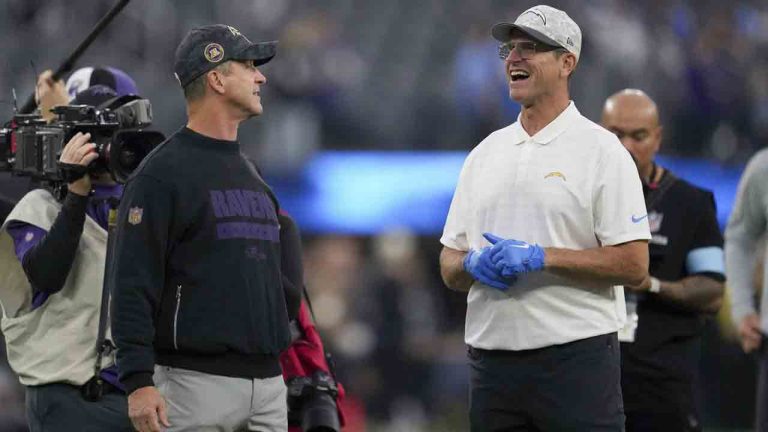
[
  {"x": 396, "y": 336},
  {"x": 424, "y": 75}
]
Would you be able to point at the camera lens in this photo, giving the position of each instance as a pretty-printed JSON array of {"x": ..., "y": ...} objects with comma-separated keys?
[
  {"x": 129, "y": 148},
  {"x": 320, "y": 414},
  {"x": 129, "y": 159}
]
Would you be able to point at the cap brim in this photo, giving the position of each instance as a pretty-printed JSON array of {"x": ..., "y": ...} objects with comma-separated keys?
[
  {"x": 502, "y": 32},
  {"x": 260, "y": 53}
]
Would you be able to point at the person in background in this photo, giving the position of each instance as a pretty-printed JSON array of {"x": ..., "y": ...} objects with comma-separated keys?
[
  {"x": 314, "y": 396},
  {"x": 661, "y": 343},
  {"x": 746, "y": 226}
]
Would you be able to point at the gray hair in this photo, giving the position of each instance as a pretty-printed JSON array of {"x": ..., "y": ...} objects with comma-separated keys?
[{"x": 196, "y": 88}]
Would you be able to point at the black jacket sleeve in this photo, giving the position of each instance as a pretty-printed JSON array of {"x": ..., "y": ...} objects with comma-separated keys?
[
  {"x": 707, "y": 232},
  {"x": 707, "y": 228},
  {"x": 137, "y": 275},
  {"x": 47, "y": 263},
  {"x": 291, "y": 264}
]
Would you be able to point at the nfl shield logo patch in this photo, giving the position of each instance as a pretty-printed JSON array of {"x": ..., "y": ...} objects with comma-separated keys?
[
  {"x": 654, "y": 221},
  {"x": 134, "y": 215}
]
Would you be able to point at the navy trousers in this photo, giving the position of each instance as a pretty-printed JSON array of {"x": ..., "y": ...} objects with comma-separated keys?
[
  {"x": 570, "y": 387},
  {"x": 61, "y": 407}
]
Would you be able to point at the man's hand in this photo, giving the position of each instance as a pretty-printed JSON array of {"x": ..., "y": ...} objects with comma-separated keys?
[
  {"x": 79, "y": 151},
  {"x": 146, "y": 408},
  {"x": 512, "y": 257},
  {"x": 749, "y": 332},
  {"x": 478, "y": 264},
  {"x": 49, "y": 94}
]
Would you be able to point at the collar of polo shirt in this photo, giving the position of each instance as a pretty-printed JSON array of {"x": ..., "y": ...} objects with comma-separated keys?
[{"x": 550, "y": 131}]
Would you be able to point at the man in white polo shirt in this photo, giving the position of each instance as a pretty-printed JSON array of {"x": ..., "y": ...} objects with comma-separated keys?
[{"x": 547, "y": 221}]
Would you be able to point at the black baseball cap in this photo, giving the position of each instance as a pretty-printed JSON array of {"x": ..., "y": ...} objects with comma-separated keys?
[{"x": 204, "y": 48}]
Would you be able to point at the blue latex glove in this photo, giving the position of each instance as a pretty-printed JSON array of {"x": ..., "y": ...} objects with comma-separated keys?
[
  {"x": 513, "y": 257},
  {"x": 478, "y": 264}
]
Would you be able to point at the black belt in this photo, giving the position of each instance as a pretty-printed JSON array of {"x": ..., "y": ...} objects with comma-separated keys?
[{"x": 595, "y": 341}]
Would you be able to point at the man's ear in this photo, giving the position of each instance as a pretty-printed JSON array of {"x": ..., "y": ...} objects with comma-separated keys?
[
  {"x": 215, "y": 81},
  {"x": 569, "y": 64}
]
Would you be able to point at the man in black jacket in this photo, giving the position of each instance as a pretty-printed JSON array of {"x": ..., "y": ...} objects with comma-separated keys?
[
  {"x": 201, "y": 309},
  {"x": 660, "y": 346}
]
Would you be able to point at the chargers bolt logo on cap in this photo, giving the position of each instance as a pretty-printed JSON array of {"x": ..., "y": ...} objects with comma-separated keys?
[
  {"x": 214, "y": 52},
  {"x": 538, "y": 13}
]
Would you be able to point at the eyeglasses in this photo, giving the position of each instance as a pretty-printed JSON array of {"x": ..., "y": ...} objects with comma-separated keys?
[{"x": 525, "y": 49}]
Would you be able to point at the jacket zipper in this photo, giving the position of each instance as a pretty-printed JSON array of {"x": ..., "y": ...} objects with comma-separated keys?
[{"x": 176, "y": 317}]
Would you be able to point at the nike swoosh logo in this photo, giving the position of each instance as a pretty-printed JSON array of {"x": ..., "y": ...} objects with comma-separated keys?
[
  {"x": 521, "y": 246},
  {"x": 638, "y": 219}
]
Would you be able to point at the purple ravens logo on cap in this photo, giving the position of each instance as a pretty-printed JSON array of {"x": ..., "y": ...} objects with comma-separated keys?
[{"x": 214, "y": 52}]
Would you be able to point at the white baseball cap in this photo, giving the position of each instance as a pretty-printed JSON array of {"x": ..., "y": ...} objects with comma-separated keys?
[
  {"x": 545, "y": 24},
  {"x": 113, "y": 78}
]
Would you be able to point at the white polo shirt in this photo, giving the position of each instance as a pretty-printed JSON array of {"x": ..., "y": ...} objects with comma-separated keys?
[{"x": 572, "y": 185}]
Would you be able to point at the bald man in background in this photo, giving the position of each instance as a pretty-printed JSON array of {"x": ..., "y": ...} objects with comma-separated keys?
[{"x": 660, "y": 346}]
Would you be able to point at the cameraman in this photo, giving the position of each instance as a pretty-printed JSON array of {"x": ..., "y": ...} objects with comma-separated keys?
[{"x": 54, "y": 253}]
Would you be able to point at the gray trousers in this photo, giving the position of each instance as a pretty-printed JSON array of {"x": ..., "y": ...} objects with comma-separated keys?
[
  {"x": 203, "y": 402},
  {"x": 61, "y": 407}
]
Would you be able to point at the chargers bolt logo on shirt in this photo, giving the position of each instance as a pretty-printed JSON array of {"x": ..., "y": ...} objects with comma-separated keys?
[
  {"x": 134, "y": 215},
  {"x": 214, "y": 52},
  {"x": 555, "y": 174}
]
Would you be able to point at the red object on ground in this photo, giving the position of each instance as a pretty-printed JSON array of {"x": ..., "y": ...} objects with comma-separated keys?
[{"x": 306, "y": 355}]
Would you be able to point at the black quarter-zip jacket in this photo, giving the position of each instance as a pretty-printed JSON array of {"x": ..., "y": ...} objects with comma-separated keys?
[{"x": 195, "y": 269}]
